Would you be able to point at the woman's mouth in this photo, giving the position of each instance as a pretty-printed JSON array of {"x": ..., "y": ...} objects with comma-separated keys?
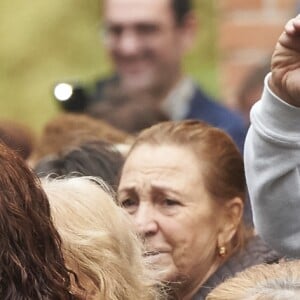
[{"x": 151, "y": 253}]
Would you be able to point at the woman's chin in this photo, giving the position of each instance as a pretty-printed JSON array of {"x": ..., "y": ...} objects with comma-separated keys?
[{"x": 162, "y": 265}]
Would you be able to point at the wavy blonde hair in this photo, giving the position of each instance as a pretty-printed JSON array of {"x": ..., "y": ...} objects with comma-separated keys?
[
  {"x": 263, "y": 282},
  {"x": 99, "y": 242}
]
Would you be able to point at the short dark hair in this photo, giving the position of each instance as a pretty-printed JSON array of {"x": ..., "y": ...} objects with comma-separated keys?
[
  {"x": 93, "y": 158},
  {"x": 181, "y": 8}
]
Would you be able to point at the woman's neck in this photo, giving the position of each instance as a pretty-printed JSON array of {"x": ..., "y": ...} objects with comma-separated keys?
[{"x": 186, "y": 290}]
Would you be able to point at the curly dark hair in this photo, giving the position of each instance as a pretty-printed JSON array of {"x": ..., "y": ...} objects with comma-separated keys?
[{"x": 31, "y": 260}]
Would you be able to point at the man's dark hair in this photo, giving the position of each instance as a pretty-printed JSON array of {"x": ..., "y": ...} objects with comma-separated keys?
[{"x": 181, "y": 8}]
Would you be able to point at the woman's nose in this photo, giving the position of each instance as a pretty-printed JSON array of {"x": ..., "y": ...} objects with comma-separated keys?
[{"x": 145, "y": 220}]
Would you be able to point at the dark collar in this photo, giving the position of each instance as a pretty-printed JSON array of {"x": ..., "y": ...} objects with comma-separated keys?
[{"x": 256, "y": 252}]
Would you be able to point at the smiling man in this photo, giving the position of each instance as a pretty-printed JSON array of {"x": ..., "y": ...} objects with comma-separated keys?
[{"x": 147, "y": 40}]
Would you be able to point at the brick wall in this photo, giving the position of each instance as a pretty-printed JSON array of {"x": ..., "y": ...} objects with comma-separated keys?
[{"x": 247, "y": 33}]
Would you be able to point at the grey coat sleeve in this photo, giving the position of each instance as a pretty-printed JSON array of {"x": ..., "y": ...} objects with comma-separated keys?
[{"x": 272, "y": 164}]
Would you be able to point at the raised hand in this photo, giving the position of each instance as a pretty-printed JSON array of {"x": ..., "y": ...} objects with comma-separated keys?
[{"x": 285, "y": 65}]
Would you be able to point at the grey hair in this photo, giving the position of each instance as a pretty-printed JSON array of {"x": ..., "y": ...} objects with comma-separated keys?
[{"x": 263, "y": 282}]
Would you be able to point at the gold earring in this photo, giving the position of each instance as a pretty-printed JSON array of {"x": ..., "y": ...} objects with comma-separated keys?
[{"x": 222, "y": 251}]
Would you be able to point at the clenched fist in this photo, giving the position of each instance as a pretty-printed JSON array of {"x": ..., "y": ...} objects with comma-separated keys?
[{"x": 285, "y": 65}]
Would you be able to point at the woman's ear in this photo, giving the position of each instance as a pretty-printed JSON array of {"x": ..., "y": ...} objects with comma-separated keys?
[{"x": 231, "y": 218}]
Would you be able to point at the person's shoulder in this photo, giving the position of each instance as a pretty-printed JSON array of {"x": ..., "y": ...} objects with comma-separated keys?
[
  {"x": 258, "y": 249},
  {"x": 106, "y": 80},
  {"x": 101, "y": 86},
  {"x": 214, "y": 108}
]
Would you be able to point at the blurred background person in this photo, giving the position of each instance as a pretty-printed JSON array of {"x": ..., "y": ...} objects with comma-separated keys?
[
  {"x": 31, "y": 260},
  {"x": 68, "y": 130},
  {"x": 99, "y": 241},
  {"x": 68, "y": 40},
  {"x": 92, "y": 158},
  {"x": 183, "y": 185},
  {"x": 262, "y": 282},
  {"x": 147, "y": 41},
  {"x": 251, "y": 89},
  {"x": 130, "y": 112}
]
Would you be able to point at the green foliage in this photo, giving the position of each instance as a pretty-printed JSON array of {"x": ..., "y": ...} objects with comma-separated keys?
[
  {"x": 43, "y": 42},
  {"x": 201, "y": 62}
]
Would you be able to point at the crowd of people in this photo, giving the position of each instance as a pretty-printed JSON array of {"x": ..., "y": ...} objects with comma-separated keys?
[{"x": 155, "y": 209}]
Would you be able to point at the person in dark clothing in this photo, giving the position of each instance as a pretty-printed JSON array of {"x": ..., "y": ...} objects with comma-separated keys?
[{"x": 147, "y": 40}]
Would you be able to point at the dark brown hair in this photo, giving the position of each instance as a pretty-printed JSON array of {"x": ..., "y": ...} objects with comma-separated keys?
[
  {"x": 222, "y": 165},
  {"x": 66, "y": 130},
  {"x": 31, "y": 261},
  {"x": 17, "y": 136}
]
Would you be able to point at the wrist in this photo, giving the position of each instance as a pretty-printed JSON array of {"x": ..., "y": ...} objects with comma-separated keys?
[{"x": 278, "y": 91}]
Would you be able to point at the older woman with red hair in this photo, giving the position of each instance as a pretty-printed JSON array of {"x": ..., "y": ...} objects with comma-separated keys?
[{"x": 183, "y": 185}]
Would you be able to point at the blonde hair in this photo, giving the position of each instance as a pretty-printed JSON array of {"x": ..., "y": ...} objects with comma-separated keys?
[
  {"x": 263, "y": 282},
  {"x": 99, "y": 242}
]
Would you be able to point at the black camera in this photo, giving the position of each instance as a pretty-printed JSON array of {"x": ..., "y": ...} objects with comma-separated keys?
[{"x": 71, "y": 97}]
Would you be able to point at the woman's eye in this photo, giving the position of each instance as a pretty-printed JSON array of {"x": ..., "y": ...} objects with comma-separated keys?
[
  {"x": 170, "y": 202},
  {"x": 128, "y": 203}
]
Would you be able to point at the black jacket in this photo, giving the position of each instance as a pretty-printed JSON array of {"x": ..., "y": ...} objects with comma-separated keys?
[{"x": 256, "y": 252}]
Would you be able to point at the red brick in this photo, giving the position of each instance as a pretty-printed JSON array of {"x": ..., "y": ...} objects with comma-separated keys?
[
  {"x": 248, "y": 35},
  {"x": 232, "y": 75}
]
